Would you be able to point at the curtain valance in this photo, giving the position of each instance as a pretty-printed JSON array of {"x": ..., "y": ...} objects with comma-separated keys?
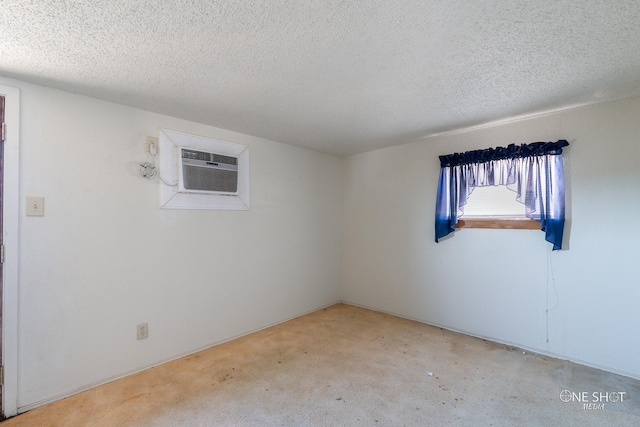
[
  {"x": 512, "y": 151},
  {"x": 534, "y": 171}
]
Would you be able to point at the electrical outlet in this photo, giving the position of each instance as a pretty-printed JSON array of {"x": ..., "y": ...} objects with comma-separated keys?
[
  {"x": 152, "y": 145},
  {"x": 143, "y": 331}
]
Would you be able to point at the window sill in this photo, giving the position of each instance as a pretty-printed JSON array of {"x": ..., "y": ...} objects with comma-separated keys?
[{"x": 499, "y": 223}]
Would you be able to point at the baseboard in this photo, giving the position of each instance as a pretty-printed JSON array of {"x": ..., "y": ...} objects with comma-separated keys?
[
  {"x": 518, "y": 346},
  {"x": 34, "y": 405}
]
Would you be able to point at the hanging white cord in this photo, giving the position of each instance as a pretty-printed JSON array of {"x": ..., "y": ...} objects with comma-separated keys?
[
  {"x": 149, "y": 170},
  {"x": 175, "y": 184},
  {"x": 550, "y": 281}
]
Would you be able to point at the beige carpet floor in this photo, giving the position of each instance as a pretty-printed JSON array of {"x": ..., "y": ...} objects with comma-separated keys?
[{"x": 347, "y": 366}]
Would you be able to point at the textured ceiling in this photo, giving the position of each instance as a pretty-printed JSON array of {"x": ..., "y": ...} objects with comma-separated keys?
[{"x": 336, "y": 76}]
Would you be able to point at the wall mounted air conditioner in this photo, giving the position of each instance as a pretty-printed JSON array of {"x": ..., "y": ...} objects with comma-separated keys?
[
  {"x": 205, "y": 172},
  {"x": 202, "y": 173}
]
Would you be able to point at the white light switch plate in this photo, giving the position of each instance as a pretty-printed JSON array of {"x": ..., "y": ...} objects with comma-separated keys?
[{"x": 35, "y": 206}]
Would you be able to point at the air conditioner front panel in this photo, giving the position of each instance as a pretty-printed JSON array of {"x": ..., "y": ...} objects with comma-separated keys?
[{"x": 208, "y": 172}]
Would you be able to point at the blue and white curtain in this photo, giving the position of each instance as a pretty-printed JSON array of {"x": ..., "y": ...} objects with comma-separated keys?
[{"x": 534, "y": 171}]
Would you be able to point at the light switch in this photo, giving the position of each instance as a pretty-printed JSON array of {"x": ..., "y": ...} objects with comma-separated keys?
[{"x": 35, "y": 206}]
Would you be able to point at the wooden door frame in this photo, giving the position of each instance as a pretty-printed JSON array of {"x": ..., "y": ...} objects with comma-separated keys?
[{"x": 11, "y": 210}]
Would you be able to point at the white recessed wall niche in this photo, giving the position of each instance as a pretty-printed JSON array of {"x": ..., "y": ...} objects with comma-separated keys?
[{"x": 202, "y": 173}]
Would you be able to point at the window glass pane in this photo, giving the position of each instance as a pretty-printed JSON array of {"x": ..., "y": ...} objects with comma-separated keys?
[{"x": 493, "y": 201}]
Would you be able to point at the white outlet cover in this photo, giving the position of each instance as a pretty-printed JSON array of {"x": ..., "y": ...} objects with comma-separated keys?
[
  {"x": 143, "y": 331},
  {"x": 35, "y": 206}
]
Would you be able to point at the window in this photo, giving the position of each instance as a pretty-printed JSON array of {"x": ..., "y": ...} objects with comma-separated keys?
[
  {"x": 495, "y": 206},
  {"x": 533, "y": 171}
]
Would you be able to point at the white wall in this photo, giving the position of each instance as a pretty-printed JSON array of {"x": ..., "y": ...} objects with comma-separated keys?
[
  {"x": 499, "y": 283},
  {"x": 105, "y": 257}
]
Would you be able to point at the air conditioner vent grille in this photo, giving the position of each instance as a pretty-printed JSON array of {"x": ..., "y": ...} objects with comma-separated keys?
[
  {"x": 210, "y": 179},
  {"x": 204, "y": 171}
]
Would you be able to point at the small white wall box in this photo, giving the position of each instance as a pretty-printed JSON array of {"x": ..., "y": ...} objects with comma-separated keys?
[{"x": 202, "y": 173}]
